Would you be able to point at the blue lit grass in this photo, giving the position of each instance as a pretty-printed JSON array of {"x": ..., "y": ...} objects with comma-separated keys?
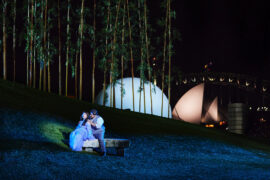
[
  {"x": 38, "y": 152},
  {"x": 35, "y": 126}
]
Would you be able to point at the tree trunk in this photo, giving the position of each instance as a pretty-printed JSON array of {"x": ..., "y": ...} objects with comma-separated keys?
[
  {"x": 40, "y": 77},
  {"x": 41, "y": 52},
  {"x": 31, "y": 43},
  {"x": 34, "y": 48},
  {"x": 142, "y": 61},
  {"x": 4, "y": 40},
  {"x": 68, "y": 44},
  {"x": 164, "y": 58},
  {"x": 94, "y": 55},
  {"x": 14, "y": 40},
  {"x": 45, "y": 49},
  {"x": 59, "y": 50},
  {"x": 49, "y": 58},
  {"x": 122, "y": 57},
  {"x": 131, "y": 56},
  {"x": 113, "y": 49},
  {"x": 106, "y": 52},
  {"x": 169, "y": 75},
  {"x": 76, "y": 74},
  {"x": 81, "y": 44},
  {"x": 27, "y": 42},
  {"x": 147, "y": 54}
]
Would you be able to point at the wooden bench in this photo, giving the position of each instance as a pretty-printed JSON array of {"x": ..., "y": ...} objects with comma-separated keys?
[{"x": 119, "y": 144}]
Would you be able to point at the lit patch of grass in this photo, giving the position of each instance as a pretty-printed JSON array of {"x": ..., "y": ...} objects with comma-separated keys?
[{"x": 56, "y": 132}]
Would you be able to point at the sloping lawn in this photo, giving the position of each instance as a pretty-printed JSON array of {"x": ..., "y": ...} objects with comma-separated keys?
[{"x": 35, "y": 127}]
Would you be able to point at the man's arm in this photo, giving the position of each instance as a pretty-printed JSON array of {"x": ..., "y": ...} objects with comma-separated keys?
[{"x": 99, "y": 123}]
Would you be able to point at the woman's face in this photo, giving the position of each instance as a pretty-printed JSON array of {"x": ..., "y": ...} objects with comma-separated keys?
[{"x": 84, "y": 115}]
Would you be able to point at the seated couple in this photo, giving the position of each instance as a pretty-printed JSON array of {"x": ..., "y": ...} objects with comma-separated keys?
[{"x": 91, "y": 126}]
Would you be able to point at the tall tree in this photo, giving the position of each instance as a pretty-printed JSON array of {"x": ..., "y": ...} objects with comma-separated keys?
[
  {"x": 68, "y": 46},
  {"x": 164, "y": 56},
  {"x": 122, "y": 56},
  {"x": 81, "y": 52},
  {"x": 4, "y": 40},
  {"x": 45, "y": 48},
  {"x": 112, "y": 73},
  {"x": 108, "y": 25},
  {"x": 94, "y": 54},
  {"x": 35, "y": 45},
  {"x": 147, "y": 53},
  {"x": 131, "y": 54},
  {"x": 76, "y": 73},
  {"x": 27, "y": 42},
  {"x": 59, "y": 50},
  {"x": 169, "y": 49},
  {"x": 41, "y": 51},
  {"x": 31, "y": 43},
  {"x": 142, "y": 64},
  {"x": 49, "y": 49},
  {"x": 49, "y": 57},
  {"x": 14, "y": 39}
]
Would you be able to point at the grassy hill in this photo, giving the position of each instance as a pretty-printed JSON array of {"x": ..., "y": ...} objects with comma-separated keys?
[{"x": 35, "y": 127}]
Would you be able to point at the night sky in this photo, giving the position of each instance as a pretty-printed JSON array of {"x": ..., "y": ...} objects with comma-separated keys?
[{"x": 234, "y": 34}]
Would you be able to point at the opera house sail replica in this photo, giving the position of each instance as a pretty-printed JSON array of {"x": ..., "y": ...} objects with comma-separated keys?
[
  {"x": 128, "y": 99},
  {"x": 191, "y": 107}
]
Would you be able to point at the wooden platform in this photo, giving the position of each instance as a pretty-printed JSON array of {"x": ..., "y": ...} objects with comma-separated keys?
[{"x": 119, "y": 144}]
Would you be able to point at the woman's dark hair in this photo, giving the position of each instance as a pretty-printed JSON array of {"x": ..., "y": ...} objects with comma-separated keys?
[{"x": 84, "y": 120}]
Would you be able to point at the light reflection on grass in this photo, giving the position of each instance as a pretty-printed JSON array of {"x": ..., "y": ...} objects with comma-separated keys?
[{"x": 56, "y": 132}]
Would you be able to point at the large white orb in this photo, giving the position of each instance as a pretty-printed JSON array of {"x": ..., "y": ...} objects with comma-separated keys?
[{"x": 128, "y": 99}]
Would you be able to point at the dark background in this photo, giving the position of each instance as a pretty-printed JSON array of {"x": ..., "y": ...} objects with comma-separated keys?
[{"x": 233, "y": 34}]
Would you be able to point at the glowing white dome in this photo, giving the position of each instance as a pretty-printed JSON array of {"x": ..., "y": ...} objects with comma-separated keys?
[{"x": 127, "y": 98}]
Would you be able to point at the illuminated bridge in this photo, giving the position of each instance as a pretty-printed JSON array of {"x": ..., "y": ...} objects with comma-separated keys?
[
  {"x": 229, "y": 88},
  {"x": 241, "y": 81}
]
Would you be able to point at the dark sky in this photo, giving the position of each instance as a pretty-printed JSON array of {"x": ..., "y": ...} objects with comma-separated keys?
[{"x": 234, "y": 34}]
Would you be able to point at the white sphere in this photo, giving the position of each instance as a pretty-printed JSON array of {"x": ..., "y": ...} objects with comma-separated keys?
[{"x": 128, "y": 98}]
